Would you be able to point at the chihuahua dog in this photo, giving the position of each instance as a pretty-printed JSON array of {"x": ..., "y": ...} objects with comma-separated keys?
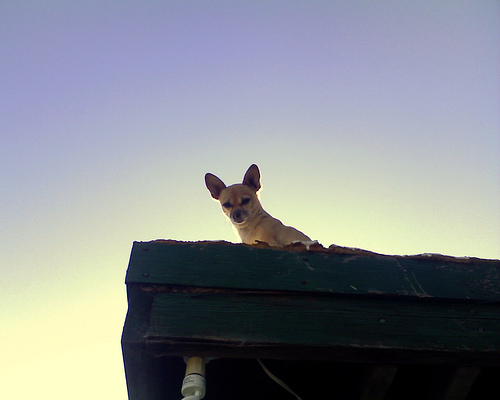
[{"x": 240, "y": 203}]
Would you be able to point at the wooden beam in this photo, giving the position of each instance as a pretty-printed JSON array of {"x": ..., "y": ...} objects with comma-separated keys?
[
  {"x": 234, "y": 318},
  {"x": 224, "y": 265},
  {"x": 379, "y": 382},
  {"x": 460, "y": 383}
]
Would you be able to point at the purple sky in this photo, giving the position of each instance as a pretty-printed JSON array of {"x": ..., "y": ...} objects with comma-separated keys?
[{"x": 375, "y": 125}]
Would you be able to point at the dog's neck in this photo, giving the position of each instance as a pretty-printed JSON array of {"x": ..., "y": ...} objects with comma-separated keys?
[{"x": 247, "y": 231}]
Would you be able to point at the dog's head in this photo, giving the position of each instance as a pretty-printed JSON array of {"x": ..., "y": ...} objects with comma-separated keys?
[{"x": 239, "y": 202}]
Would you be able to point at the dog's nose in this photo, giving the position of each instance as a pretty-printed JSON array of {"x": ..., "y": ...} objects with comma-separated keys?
[{"x": 237, "y": 216}]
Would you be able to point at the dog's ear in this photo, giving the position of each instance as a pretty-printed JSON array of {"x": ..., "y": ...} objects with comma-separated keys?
[
  {"x": 214, "y": 185},
  {"x": 252, "y": 178}
]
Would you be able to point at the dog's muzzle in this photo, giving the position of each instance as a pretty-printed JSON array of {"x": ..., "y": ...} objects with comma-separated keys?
[{"x": 239, "y": 216}]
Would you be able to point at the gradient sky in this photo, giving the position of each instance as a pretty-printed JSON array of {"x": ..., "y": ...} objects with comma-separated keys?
[{"x": 375, "y": 125}]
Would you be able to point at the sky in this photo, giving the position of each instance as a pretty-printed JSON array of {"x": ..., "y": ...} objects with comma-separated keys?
[{"x": 375, "y": 125}]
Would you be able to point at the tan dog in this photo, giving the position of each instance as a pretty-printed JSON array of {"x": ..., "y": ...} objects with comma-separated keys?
[{"x": 240, "y": 203}]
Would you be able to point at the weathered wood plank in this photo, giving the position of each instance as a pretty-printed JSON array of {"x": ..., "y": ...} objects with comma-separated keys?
[
  {"x": 356, "y": 323},
  {"x": 209, "y": 264}
]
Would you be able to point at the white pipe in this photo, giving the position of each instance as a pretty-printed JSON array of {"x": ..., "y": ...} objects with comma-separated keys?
[
  {"x": 193, "y": 397},
  {"x": 193, "y": 385}
]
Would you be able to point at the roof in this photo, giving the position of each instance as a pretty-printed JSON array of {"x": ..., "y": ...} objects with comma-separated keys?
[{"x": 334, "y": 309}]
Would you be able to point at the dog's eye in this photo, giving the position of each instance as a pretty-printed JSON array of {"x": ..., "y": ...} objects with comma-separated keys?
[
  {"x": 227, "y": 204},
  {"x": 244, "y": 201}
]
